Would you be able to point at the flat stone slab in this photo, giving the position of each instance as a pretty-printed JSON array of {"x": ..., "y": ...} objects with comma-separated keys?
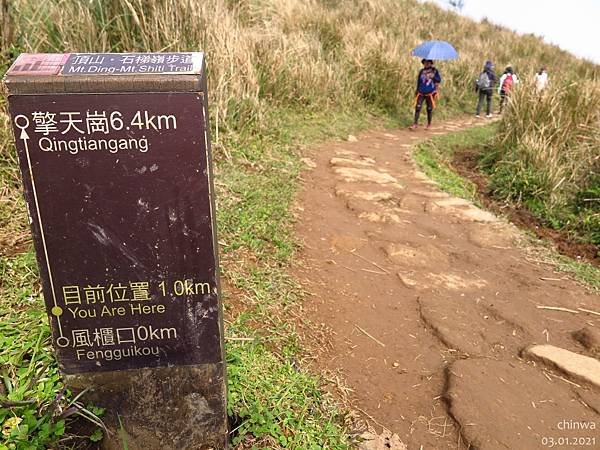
[
  {"x": 478, "y": 215},
  {"x": 344, "y": 162},
  {"x": 365, "y": 195},
  {"x": 380, "y": 217},
  {"x": 496, "y": 235},
  {"x": 430, "y": 194},
  {"x": 513, "y": 405},
  {"x": 423, "y": 256},
  {"x": 573, "y": 364},
  {"x": 352, "y": 174},
  {"x": 453, "y": 201},
  {"x": 459, "y": 321},
  {"x": 456, "y": 282}
]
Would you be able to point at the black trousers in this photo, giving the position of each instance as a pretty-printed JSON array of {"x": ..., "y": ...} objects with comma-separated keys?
[
  {"x": 429, "y": 101},
  {"x": 487, "y": 94},
  {"x": 503, "y": 95}
]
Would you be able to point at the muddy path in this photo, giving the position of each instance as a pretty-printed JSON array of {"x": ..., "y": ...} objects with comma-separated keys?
[{"x": 430, "y": 302}]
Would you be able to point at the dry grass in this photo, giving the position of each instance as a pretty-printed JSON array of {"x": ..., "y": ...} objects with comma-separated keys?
[
  {"x": 557, "y": 133},
  {"x": 14, "y": 228},
  {"x": 265, "y": 55},
  {"x": 298, "y": 52},
  {"x": 547, "y": 154}
]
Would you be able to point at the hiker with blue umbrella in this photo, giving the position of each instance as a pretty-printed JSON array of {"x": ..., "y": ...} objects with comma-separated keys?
[{"x": 429, "y": 77}]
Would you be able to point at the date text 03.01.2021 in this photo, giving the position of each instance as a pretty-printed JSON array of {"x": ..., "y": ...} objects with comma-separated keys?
[{"x": 563, "y": 441}]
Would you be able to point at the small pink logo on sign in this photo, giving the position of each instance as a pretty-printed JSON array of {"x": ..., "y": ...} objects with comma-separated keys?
[{"x": 38, "y": 64}]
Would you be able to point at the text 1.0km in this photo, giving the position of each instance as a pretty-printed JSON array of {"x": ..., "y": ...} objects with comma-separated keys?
[{"x": 184, "y": 287}]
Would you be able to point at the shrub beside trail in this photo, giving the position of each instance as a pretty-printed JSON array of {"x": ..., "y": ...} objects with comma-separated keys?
[{"x": 547, "y": 155}]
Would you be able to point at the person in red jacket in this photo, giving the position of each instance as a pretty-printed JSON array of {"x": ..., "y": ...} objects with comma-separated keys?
[
  {"x": 427, "y": 87},
  {"x": 506, "y": 84}
]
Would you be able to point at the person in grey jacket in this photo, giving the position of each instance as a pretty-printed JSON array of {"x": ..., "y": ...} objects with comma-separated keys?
[{"x": 485, "y": 86}]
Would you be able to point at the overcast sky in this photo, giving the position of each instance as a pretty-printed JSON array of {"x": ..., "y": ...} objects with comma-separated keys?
[{"x": 574, "y": 25}]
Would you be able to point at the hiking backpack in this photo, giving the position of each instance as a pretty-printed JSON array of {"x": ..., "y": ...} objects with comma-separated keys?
[
  {"x": 484, "y": 82},
  {"x": 507, "y": 84}
]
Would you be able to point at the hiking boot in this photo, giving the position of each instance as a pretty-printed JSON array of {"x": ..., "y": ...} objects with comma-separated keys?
[
  {"x": 413, "y": 127},
  {"x": 428, "y": 127},
  {"x": 488, "y": 116},
  {"x": 478, "y": 116}
]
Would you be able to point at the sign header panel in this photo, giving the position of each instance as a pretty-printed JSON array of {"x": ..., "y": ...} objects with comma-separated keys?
[{"x": 73, "y": 64}]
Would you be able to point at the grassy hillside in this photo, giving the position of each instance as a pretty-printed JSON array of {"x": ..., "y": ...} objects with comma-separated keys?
[
  {"x": 264, "y": 53},
  {"x": 282, "y": 74}
]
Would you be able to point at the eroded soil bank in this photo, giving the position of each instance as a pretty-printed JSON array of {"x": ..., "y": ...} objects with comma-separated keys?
[{"x": 465, "y": 163}]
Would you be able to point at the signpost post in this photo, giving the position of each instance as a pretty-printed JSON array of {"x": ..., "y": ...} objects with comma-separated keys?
[{"x": 115, "y": 156}]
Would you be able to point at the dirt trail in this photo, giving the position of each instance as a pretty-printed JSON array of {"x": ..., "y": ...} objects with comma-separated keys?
[{"x": 431, "y": 302}]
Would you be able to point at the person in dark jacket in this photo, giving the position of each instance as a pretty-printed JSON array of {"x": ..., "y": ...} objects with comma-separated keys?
[
  {"x": 485, "y": 86},
  {"x": 427, "y": 86}
]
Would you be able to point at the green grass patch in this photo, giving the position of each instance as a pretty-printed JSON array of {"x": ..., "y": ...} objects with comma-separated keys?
[
  {"x": 435, "y": 155},
  {"x": 439, "y": 172},
  {"x": 35, "y": 407},
  {"x": 275, "y": 403},
  {"x": 585, "y": 273}
]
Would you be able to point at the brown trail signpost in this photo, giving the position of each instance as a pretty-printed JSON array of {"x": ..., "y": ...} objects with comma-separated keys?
[{"x": 114, "y": 151}]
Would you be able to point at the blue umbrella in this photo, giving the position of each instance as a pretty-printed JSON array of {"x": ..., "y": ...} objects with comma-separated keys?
[{"x": 439, "y": 50}]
